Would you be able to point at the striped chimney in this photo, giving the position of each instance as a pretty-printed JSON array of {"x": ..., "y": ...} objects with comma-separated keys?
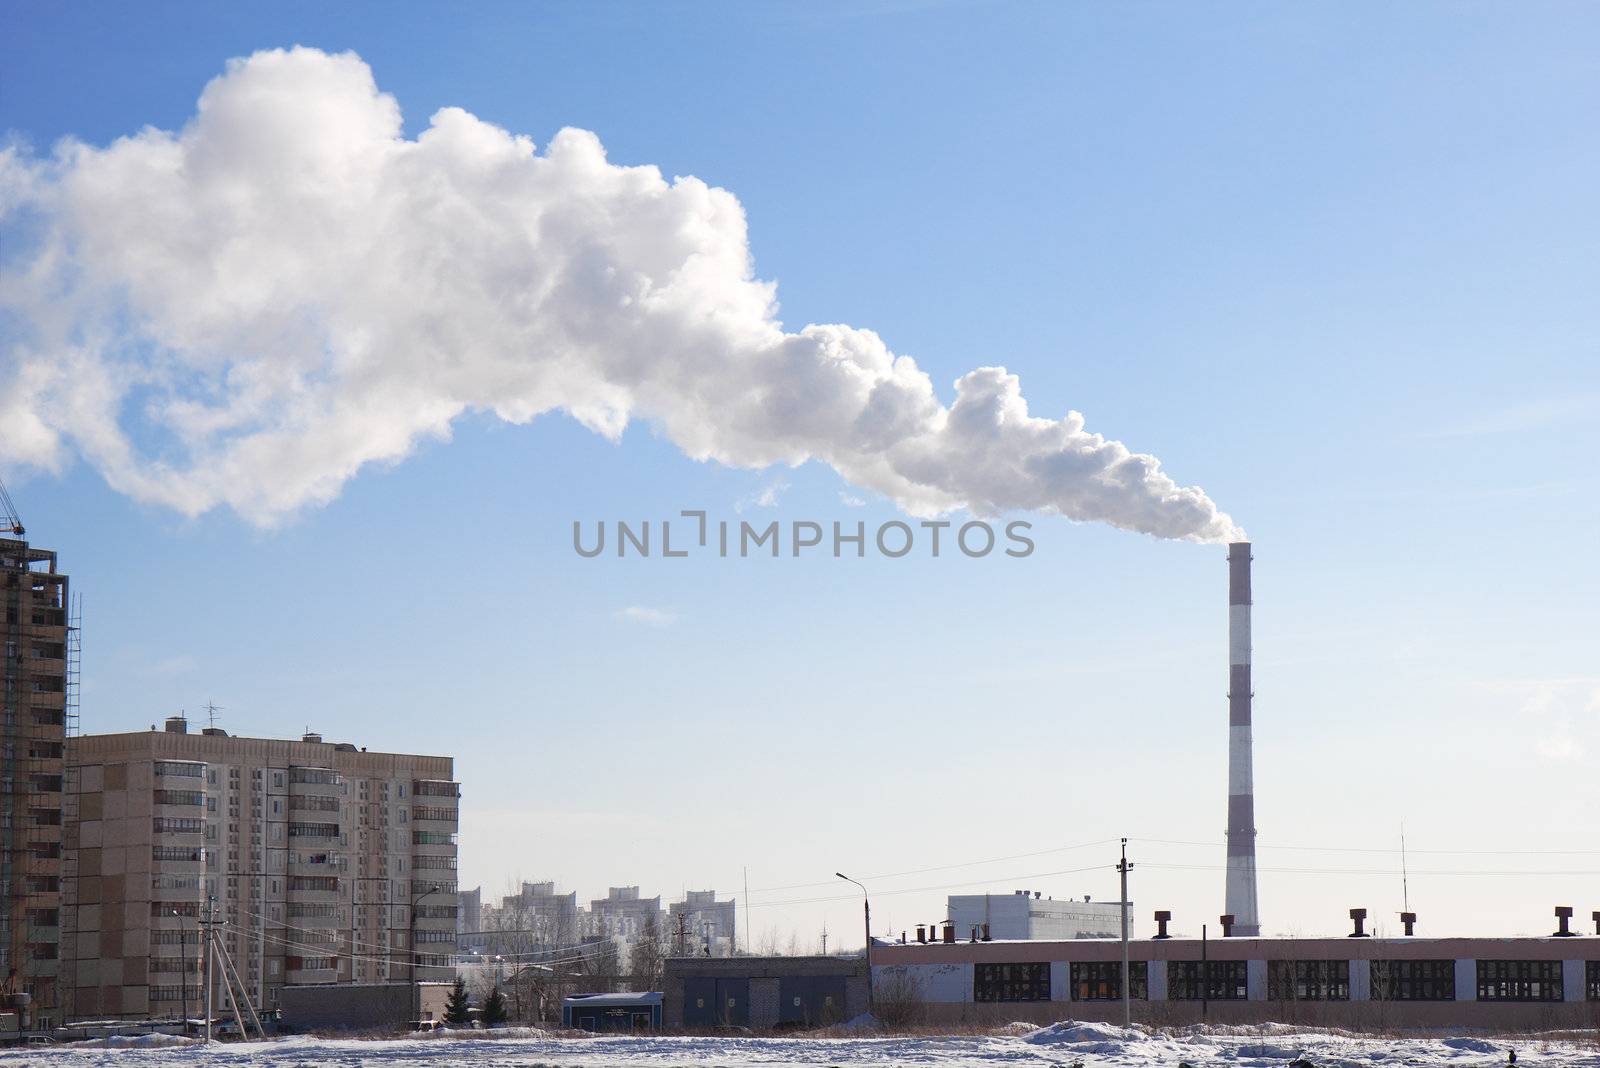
[{"x": 1241, "y": 892}]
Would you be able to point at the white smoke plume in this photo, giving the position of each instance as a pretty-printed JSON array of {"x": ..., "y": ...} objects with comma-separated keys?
[{"x": 248, "y": 310}]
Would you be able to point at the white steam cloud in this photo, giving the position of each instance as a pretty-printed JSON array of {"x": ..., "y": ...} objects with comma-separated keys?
[{"x": 247, "y": 311}]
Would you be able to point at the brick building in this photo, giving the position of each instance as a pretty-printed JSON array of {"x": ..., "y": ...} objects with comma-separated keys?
[{"x": 319, "y": 862}]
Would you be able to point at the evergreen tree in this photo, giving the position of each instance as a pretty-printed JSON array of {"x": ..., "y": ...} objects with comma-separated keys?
[
  {"x": 455, "y": 1008},
  {"x": 494, "y": 1008}
]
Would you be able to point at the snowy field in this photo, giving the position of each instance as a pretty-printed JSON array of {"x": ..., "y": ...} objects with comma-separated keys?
[{"x": 1065, "y": 1044}]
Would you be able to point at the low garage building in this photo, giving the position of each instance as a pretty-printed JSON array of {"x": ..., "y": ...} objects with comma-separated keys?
[{"x": 762, "y": 993}]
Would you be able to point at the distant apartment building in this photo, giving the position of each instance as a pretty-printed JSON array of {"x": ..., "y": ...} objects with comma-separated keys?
[
  {"x": 622, "y": 914},
  {"x": 1024, "y": 914},
  {"x": 536, "y": 921},
  {"x": 35, "y": 699},
  {"x": 469, "y": 918},
  {"x": 319, "y": 863},
  {"x": 700, "y": 925}
]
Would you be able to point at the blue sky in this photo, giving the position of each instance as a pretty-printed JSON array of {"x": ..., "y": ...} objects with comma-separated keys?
[{"x": 1333, "y": 263}]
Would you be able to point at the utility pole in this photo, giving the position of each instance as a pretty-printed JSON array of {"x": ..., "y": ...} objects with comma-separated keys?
[
  {"x": 1127, "y": 1004},
  {"x": 183, "y": 973},
  {"x": 211, "y": 956}
]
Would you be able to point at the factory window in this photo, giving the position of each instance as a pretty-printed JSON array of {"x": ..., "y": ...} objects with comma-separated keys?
[
  {"x": 1308, "y": 980},
  {"x": 1217, "y": 980},
  {"x": 1100, "y": 980},
  {"x": 1011, "y": 982},
  {"x": 1519, "y": 980},
  {"x": 1413, "y": 980},
  {"x": 1594, "y": 980}
]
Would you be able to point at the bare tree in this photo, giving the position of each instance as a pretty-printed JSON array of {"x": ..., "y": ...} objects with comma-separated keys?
[{"x": 646, "y": 955}]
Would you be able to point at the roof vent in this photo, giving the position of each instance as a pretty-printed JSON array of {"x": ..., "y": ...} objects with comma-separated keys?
[
  {"x": 1564, "y": 922},
  {"x": 1163, "y": 918},
  {"x": 315, "y": 739},
  {"x": 1358, "y": 918},
  {"x": 344, "y": 747},
  {"x": 177, "y": 725},
  {"x": 213, "y": 732}
]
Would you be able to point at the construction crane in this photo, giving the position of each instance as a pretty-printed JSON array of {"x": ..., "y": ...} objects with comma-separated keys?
[{"x": 10, "y": 521}]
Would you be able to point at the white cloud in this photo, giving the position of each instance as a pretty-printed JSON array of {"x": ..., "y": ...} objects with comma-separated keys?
[
  {"x": 650, "y": 617},
  {"x": 247, "y": 311},
  {"x": 1558, "y": 715},
  {"x": 766, "y": 497},
  {"x": 849, "y": 500}
]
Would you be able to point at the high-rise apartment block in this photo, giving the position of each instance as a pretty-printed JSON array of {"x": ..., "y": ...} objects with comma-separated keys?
[
  {"x": 316, "y": 862},
  {"x": 36, "y": 706}
]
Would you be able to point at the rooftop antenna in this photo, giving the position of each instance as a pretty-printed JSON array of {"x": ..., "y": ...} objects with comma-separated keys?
[
  {"x": 1405, "y": 879},
  {"x": 211, "y": 710}
]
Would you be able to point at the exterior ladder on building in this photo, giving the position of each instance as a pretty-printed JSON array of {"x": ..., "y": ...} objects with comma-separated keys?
[{"x": 67, "y": 977}]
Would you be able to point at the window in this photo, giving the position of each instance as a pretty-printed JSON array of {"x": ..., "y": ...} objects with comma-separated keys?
[
  {"x": 1413, "y": 980},
  {"x": 172, "y": 825},
  {"x": 442, "y": 815},
  {"x": 436, "y": 862},
  {"x": 432, "y": 837},
  {"x": 1100, "y": 980},
  {"x": 159, "y": 909},
  {"x": 311, "y": 963},
  {"x": 1217, "y": 980},
  {"x": 1011, "y": 982},
  {"x": 185, "y": 770},
  {"x": 1594, "y": 980},
  {"x": 319, "y": 776},
  {"x": 435, "y": 788},
  {"x": 1308, "y": 980},
  {"x": 313, "y": 830},
  {"x": 1519, "y": 980},
  {"x": 313, "y": 882},
  {"x": 312, "y": 803},
  {"x": 179, "y": 797}
]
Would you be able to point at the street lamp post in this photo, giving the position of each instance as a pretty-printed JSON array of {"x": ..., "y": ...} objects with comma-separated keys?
[{"x": 866, "y": 907}]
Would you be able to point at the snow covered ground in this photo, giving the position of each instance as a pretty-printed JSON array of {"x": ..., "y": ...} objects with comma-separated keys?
[{"x": 1091, "y": 1045}]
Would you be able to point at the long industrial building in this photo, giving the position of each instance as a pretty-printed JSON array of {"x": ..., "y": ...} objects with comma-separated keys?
[
  {"x": 318, "y": 862},
  {"x": 1356, "y": 981}
]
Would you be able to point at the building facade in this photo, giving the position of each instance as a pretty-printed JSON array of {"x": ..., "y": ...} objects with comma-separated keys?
[
  {"x": 1022, "y": 914},
  {"x": 1354, "y": 982},
  {"x": 314, "y": 863},
  {"x": 35, "y": 698}
]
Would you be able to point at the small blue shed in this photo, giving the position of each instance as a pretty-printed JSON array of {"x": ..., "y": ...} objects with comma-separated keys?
[{"x": 613, "y": 1013}]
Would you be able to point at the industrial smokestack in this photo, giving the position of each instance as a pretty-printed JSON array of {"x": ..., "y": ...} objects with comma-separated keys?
[{"x": 1241, "y": 890}]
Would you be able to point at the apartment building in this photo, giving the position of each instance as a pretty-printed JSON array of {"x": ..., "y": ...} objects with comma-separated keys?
[
  {"x": 316, "y": 862},
  {"x": 702, "y": 925},
  {"x": 622, "y": 914},
  {"x": 35, "y": 697}
]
